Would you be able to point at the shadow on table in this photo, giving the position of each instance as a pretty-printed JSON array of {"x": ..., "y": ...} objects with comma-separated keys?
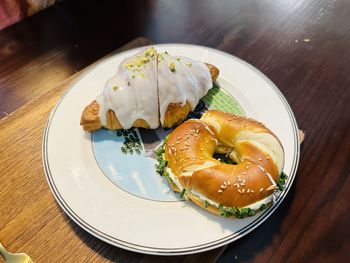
[{"x": 248, "y": 247}]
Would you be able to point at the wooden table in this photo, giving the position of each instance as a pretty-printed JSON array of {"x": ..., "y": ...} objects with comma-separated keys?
[{"x": 302, "y": 46}]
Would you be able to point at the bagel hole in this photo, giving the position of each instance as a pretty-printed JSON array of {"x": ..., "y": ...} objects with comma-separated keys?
[{"x": 224, "y": 158}]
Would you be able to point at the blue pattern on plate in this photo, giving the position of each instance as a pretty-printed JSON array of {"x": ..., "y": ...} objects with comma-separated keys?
[{"x": 132, "y": 173}]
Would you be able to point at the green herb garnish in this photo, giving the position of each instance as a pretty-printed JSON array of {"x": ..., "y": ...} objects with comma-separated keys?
[
  {"x": 132, "y": 142},
  {"x": 161, "y": 162},
  {"x": 239, "y": 212},
  {"x": 182, "y": 193},
  {"x": 281, "y": 183}
]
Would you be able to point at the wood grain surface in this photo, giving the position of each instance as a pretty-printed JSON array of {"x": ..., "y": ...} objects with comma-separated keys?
[{"x": 301, "y": 45}]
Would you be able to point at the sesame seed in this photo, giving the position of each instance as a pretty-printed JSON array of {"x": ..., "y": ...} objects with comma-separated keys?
[
  {"x": 260, "y": 159},
  {"x": 230, "y": 119},
  {"x": 223, "y": 186},
  {"x": 200, "y": 158},
  {"x": 201, "y": 149},
  {"x": 251, "y": 190},
  {"x": 245, "y": 173},
  {"x": 243, "y": 191},
  {"x": 225, "y": 183},
  {"x": 228, "y": 182},
  {"x": 271, "y": 187},
  {"x": 239, "y": 190},
  {"x": 179, "y": 137},
  {"x": 247, "y": 167},
  {"x": 248, "y": 163},
  {"x": 220, "y": 191},
  {"x": 235, "y": 184},
  {"x": 248, "y": 191},
  {"x": 261, "y": 189},
  {"x": 268, "y": 158},
  {"x": 243, "y": 181}
]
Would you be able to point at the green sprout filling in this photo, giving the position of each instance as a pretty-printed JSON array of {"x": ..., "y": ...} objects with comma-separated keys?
[
  {"x": 281, "y": 183},
  {"x": 183, "y": 193},
  {"x": 161, "y": 162}
]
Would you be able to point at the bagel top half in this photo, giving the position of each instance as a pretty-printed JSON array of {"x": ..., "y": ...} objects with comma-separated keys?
[{"x": 256, "y": 150}]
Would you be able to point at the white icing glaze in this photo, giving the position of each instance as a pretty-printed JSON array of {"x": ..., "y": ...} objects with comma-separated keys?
[
  {"x": 188, "y": 81},
  {"x": 132, "y": 92},
  {"x": 143, "y": 90}
]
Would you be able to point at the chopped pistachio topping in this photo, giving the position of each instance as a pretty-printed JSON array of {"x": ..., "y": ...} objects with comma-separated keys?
[
  {"x": 150, "y": 52},
  {"x": 189, "y": 64},
  {"x": 178, "y": 59},
  {"x": 172, "y": 67},
  {"x": 128, "y": 65},
  {"x": 133, "y": 76},
  {"x": 115, "y": 88}
]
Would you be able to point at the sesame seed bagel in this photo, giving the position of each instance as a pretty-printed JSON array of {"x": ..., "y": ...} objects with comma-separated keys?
[{"x": 257, "y": 151}]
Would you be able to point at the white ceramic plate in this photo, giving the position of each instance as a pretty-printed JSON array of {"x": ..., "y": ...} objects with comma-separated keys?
[{"x": 91, "y": 190}]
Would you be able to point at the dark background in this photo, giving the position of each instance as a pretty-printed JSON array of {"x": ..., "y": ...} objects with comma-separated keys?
[{"x": 302, "y": 46}]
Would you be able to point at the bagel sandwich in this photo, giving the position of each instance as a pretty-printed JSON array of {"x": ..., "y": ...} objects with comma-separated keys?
[{"x": 239, "y": 188}]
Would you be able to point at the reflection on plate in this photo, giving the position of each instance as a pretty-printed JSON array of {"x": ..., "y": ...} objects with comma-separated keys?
[{"x": 108, "y": 191}]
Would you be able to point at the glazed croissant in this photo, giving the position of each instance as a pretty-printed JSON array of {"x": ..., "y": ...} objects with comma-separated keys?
[{"x": 148, "y": 90}]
